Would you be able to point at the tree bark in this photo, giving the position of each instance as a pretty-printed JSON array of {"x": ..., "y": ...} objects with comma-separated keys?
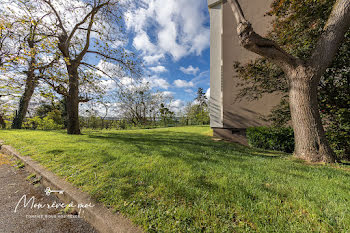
[
  {"x": 21, "y": 112},
  {"x": 73, "y": 126},
  {"x": 304, "y": 77},
  {"x": 2, "y": 122},
  {"x": 310, "y": 139}
]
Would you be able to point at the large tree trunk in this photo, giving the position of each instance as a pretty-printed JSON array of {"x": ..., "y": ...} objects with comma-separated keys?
[
  {"x": 310, "y": 140},
  {"x": 21, "y": 112},
  {"x": 73, "y": 126}
]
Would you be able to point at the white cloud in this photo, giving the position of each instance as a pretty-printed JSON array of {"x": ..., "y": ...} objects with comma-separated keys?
[
  {"x": 152, "y": 81},
  {"x": 159, "y": 82},
  {"x": 202, "y": 78},
  {"x": 190, "y": 91},
  {"x": 183, "y": 83},
  {"x": 119, "y": 43},
  {"x": 156, "y": 82},
  {"x": 177, "y": 105},
  {"x": 158, "y": 69},
  {"x": 109, "y": 69},
  {"x": 168, "y": 94},
  {"x": 127, "y": 81},
  {"x": 153, "y": 59},
  {"x": 142, "y": 42},
  {"x": 178, "y": 26},
  {"x": 189, "y": 70},
  {"x": 207, "y": 94}
]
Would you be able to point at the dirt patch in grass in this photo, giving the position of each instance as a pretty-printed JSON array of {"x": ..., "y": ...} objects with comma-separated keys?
[{"x": 4, "y": 159}]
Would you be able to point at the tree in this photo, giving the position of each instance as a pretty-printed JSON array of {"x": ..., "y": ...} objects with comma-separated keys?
[
  {"x": 34, "y": 72},
  {"x": 133, "y": 100},
  {"x": 165, "y": 114},
  {"x": 29, "y": 52},
  {"x": 293, "y": 32},
  {"x": 4, "y": 36},
  {"x": 92, "y": 19},
  {"x": 201, "y": 98},
  {"x": 197, "y": 112},
  {"x": 2, "y": 122},
  {"x": 139, "y": 104},
  {"x": 97, "y": 109},
  {"x": 8, "y": 90},
  {"x": 304, "y": 75},
  {"x": 7, "y": 94}
]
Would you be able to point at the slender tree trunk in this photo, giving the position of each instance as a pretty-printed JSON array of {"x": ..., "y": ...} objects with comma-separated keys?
[
  {"x": 21, "y": 112},
  {"x": 73, "y": 126},
  {"x": 2, "y": 122},
  {"x": 310, "y": 140}
]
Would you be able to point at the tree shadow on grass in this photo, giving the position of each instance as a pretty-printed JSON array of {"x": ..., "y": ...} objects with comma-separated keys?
[
  {"x": 190, "y": 147},
  {"x": 345, "y": 163},
  {"x": 55, "y": 152}
]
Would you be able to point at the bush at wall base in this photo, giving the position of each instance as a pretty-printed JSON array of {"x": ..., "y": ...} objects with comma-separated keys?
[{"x": 271, "y": 138}]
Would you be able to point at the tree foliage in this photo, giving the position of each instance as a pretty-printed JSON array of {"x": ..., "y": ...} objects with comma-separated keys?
[{"x": 197, "y": 112}]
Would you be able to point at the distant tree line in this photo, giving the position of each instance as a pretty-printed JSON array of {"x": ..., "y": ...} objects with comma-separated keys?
[{"x": 138, "y": 108}]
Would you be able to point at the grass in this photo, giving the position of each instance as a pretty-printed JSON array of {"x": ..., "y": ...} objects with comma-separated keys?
[{"x": 180, "y": 180}]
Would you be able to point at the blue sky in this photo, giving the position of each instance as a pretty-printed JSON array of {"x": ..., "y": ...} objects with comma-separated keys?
[{"x": 172, "y": 38}]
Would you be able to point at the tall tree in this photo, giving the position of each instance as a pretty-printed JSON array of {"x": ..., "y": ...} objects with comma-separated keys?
[
  {"x": 201, "y": 98},
  {"x": 92, "y": 29},
  {"x": 34, "y": 71},
  {"x": 296, "y": 36},
  {"x": 30, "y": 52},
  {"x": 304, "y": 75},
  {"x": 4, "y": 35},
  {"x": 197, "y": 112}
]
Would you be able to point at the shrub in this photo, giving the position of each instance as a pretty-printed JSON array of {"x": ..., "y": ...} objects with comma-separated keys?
[
  {"x": 32, "y": 123},
  {"x": 339, "y": 137},
  {"x": 47, "y": 123},
  {"x": 56, "y": 116},
  {"x": 271, "y": 138}
]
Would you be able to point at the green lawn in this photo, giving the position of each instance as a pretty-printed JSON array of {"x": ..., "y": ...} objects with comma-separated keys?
[{"x": 180, "y": 180}]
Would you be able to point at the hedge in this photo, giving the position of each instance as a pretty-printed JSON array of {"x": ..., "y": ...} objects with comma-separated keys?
[{"x": 271, "y": 138}]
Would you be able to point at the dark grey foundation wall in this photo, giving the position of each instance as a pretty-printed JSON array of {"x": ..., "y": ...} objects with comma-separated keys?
[
  {"x": 230, "y": 118},
  {"x": 234, "y": 135}
]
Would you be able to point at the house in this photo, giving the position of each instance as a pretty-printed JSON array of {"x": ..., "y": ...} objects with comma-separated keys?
[{"x": 230, "y": 118}]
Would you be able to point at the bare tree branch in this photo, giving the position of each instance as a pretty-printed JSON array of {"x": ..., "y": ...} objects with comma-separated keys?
[
  {"x": 108, "y": 57},
  {"x": 76, "y": 27},
  {"x": 88, "y": 33},
  {"x": 50, "y": 64},
  {"x": 60, "y": 89},
  {"x": 258, "y": 44},
  {"x": 84, "y": 99},
  {"x": 60, "y": 23},
  {"x": 118, "y": 83}
]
